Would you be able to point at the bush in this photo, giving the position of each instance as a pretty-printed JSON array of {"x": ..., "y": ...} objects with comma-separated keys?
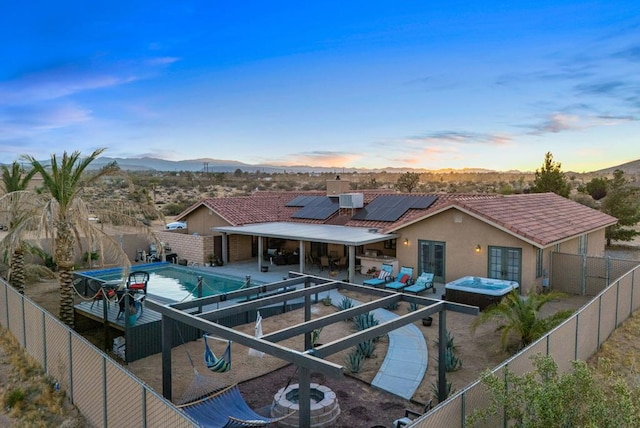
[
  {"x": 14, "y": 397},
  {"x": 546, "y": 398}
]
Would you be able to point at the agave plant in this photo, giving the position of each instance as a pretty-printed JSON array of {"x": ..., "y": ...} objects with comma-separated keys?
[
  {"x": 412, "y": 307},
  {"x": 366, "y": 348},
  {"x": 345, "y": 303},
  {"x": 447, "y": 392},
  {"x": 392, "y": 306},
  {"x": 365, "y": 321},
  {"x": 354, "y": 361}
]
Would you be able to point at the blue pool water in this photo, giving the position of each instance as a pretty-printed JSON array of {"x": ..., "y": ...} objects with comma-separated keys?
[{"x": 176, "y": 282}]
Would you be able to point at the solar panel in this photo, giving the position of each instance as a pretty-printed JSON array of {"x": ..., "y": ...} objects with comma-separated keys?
[
  {"x": 301, "y": 201},
  {"x": 316, "y": 208},
  {"x": 392, "y": 207}
]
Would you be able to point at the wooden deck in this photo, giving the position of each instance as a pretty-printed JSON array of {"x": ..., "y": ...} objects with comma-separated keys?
[
  {"x": 96, "y": 313},
  {"x": 143, "y": 338}
]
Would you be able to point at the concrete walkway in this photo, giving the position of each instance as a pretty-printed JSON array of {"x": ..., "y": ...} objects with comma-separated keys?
[{"x": 405, "y": 364}]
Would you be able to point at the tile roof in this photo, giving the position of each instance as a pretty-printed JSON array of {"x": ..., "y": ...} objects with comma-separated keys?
[{"x": 542, "y": 218}]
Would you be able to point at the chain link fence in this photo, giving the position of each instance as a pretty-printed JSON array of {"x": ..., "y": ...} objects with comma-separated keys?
[{"x": 106, "y": 394}]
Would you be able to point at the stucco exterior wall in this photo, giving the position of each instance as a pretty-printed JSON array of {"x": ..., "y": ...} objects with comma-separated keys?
[
  {"x": 202, "y": 219},
  {"x": 461, "y": 234}
]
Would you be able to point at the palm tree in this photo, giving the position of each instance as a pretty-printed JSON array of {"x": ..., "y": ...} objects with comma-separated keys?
[
  {"x": 15, "y": 180},
  {"x": 519, "y": 315},
  {"x": 65, "y": 216}
]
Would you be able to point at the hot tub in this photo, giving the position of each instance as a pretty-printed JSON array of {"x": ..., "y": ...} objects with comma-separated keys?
[{"x": 478, "y": 291}]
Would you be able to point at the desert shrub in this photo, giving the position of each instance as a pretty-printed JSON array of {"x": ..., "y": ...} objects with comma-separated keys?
[
  {"x": 547, "y": 398},
  {"x": 13, "y": 397}
]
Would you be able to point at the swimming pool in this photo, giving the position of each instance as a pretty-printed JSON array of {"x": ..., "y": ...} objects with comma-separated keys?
[{"x": 175, "y": 282}]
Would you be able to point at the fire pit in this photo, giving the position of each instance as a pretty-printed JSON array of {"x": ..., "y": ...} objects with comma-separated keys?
[{"x": 324, "y": 406}]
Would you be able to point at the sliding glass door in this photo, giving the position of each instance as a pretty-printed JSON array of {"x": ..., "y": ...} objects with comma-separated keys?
[
  {"x": 431, "y": 258},
  {"x": 505, "y": 263}
]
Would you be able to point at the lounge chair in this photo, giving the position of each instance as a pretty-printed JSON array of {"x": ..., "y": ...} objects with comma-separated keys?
[
  {"x": 423, "y": 283},
  {"x": 383, "y": 277},
  {"x": 403, "y": 279}
]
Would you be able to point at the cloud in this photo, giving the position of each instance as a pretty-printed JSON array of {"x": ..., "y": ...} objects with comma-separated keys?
[
  {"x": 319, "y": 158},
  {"x": 601, "y": 88},
  {"x": 56, "y": 83},
  {"x": 24, "y": 121},
  {"x": 566, "y": 73},
  {"x": 460, "y": 138},
  {"x": 632, "y": 54},
  {"x": 70, "y": 79},
  {"x": 162, "y": 60},
  {"x": 559, "y": 122}
]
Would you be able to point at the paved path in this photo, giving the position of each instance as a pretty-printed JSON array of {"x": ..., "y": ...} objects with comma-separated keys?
[{"x": 405, "y": 364}]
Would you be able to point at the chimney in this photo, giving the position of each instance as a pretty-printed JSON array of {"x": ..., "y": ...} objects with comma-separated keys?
[{"x": 337, "y": 187}]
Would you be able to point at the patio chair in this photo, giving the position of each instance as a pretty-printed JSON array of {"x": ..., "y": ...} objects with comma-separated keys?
[
  {"x": 423, "y": 283},
  {"x": 340, "y": 263},
  {"x": 403, "y": 279},
  {"x": 383, "y": 277},
  {"x": 411, "y": 415},
  {"x": 153, "y": 253},
  {"x": 137, "y": 282},
  {"x": 98, "y": 291},
  {"x": 324, "y": 263}
]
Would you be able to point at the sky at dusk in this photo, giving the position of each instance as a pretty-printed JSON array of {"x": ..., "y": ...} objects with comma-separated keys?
[{"x": 366, "y": 84}]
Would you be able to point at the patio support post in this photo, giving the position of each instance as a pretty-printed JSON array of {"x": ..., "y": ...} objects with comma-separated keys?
[
  {"x": 307, "y": 317},
  {"x": 166, "y": 326},
  {"x": 260, "y": 253},
  {"x": 352, "y": 263},
  {"x": 442, "y": 373},
  {"x": 302, "y": 255},
  {"x": 225, "y": 256},
  {"x": 304, "y": 402}
]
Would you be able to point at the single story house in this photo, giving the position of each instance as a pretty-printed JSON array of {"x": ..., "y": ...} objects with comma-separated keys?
[{"x": 508, "y": 237}]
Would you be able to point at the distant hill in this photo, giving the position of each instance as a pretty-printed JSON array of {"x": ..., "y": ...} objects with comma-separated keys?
[
  {"x": 220, "y": 165},
  {"x": 629, "y": 168}
]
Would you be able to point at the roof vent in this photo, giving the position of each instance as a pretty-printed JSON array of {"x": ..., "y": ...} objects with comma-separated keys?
[{"x": 351, "y": 200}]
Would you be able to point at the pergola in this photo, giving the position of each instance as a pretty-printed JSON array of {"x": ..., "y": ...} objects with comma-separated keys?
[{"x": 307, "y": 288}]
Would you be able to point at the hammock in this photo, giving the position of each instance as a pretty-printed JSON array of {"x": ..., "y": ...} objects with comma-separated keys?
[
  {"x": 226, "y": 409},
  {"x": 215, "y": 364}
]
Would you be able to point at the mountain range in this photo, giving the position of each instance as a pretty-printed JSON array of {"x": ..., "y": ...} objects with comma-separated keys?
[{"x": 219, "y": 165}]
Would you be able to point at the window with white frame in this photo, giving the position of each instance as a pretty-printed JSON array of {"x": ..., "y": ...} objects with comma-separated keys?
[
  {"x": 582, "y": 244},
  {"x": 539, "y": 260}
]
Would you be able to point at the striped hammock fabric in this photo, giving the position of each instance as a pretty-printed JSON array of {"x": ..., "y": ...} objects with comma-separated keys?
[{"x": 215, "y": 364}]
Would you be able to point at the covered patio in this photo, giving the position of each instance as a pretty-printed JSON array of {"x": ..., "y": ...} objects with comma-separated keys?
[{"x": 350, "y": 237}]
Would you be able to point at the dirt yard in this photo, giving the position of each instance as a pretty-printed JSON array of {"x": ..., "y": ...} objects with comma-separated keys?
[{"x": 260, "y": 378}]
